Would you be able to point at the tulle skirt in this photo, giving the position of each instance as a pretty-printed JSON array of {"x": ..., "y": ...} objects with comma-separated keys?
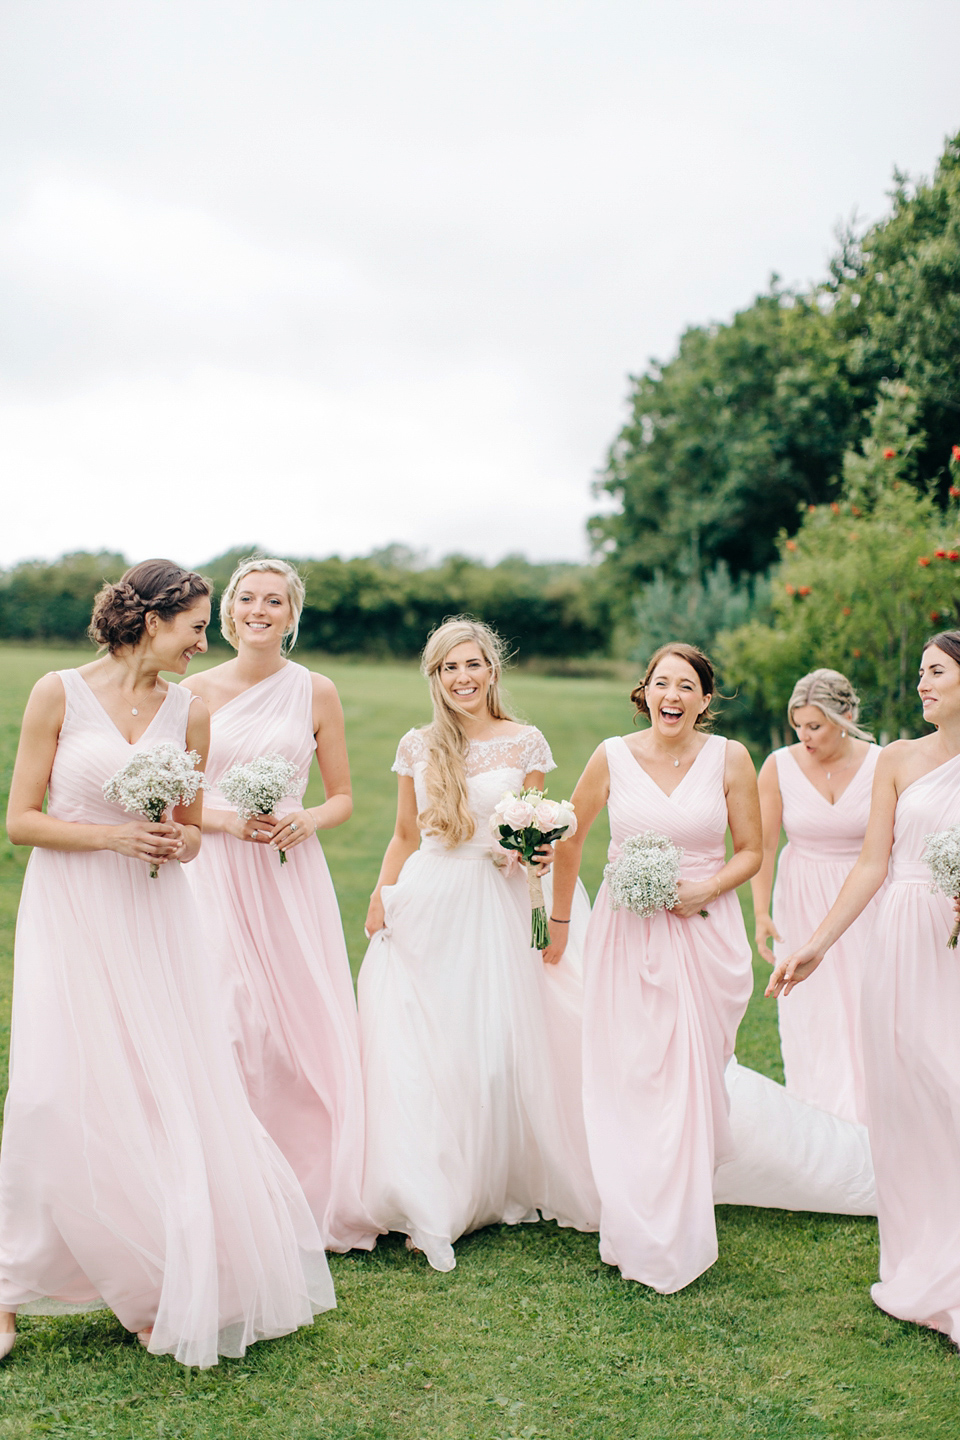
[
  {"x": 275, "y": 929},
  {"x": 133, "y": 1172},
  {"x": 471, "y": 1058}
]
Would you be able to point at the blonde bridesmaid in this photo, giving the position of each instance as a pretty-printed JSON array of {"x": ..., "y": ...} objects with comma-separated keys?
[
  {"x": 663, "y": 996},
  {"x": 911, "y": 1006},
  {"x": 276, "y": 929},
  {"x": 819, "y": 792},
  {"x": 133, "y": 1173}
]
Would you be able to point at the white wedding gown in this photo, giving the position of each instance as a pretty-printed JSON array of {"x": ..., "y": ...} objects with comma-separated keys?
[{"x": 470, "y": 1044}]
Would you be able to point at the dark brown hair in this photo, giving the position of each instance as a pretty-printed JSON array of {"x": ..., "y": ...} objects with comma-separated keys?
[
  {"x": 120, "y": 611},
  {"x": 948, "y": 641},
  {"x": 698, "y": 662}
]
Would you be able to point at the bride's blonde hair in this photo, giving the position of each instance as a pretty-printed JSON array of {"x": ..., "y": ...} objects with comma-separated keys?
[{"x": 447, "y": 811}]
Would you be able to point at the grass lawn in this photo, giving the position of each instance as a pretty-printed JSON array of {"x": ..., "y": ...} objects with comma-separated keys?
[{"x": 531, "y": 1337}]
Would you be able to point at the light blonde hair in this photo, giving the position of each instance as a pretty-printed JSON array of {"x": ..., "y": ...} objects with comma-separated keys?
[
  {"x": 447, "y": 812},
  {"x": 296, "y": 594},
  {"x": 832, "y": 694}
]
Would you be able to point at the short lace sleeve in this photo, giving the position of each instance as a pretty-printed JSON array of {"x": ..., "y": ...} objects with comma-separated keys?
[
  {"x": 536, "y": 752},
  {"x": 409, "y": 751}
]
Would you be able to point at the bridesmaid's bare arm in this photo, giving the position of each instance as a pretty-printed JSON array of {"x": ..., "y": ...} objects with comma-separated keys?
[
  {"x": 189, "y": 818},
  {"x": 591, "y": 794},
  {"x": 404, "y": 841},
  {"x": 864, "y": 880},
  {"x": 328, "y": 730},
  {"x": 743, "y": 817},
  {"x": 771, "y": 817},
  {"x": 26, "y": 822}
]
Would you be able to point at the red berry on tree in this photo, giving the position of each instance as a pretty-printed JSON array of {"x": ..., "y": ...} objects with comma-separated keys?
[
  {"x": 924, "y": 560},
  {"x": 889, "y": 454}
]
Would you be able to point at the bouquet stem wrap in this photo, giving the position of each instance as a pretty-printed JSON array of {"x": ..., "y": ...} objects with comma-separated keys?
[{"x": 523, "y": 823}]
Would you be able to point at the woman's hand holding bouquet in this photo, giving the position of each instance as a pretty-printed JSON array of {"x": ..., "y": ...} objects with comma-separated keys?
[{"x": 528, "y": 824}]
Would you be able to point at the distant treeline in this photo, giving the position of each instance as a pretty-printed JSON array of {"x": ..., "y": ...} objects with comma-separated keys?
[{"x": 384, "y": 604}]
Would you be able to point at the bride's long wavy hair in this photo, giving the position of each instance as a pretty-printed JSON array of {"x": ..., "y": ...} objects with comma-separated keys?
[{"x": 447, "y": 811}]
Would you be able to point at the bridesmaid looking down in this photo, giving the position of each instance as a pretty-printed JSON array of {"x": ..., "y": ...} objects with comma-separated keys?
[
  {"x": 911, "y": 1006},
  {"x": 471, "y": 1047},
  {"x": 276, "y": 929},
  {"x": 819, "y": 791},
  {"x": 663, "y": 996},
  {"x": 133, "y": 1173}
]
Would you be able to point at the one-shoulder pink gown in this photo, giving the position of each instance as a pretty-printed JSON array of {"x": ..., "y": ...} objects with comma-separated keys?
[
  {"x": 133, "y": 1172},
  {"x": 662, "y": 1001},
  {"x": 911, "y": 1050},
  {"x": 820, "y": 1019},
  {"x": 289, "y": 991}
]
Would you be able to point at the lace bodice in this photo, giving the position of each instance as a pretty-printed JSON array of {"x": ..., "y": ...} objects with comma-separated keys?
[{"x": 492, "y": 766}]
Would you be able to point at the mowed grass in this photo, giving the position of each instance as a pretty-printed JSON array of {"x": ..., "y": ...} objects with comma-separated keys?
[{"x": 531, "y": 1337}]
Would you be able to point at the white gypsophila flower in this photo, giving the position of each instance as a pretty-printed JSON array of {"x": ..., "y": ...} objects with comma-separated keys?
[
  {"x": 645, "y": 875},
  {"x": 941, "y": 851},
  {"x": 254, "y": 788},
  {"x": 153, "y": 780}
]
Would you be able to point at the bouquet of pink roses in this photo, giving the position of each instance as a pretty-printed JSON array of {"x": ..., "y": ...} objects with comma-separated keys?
[{"x": 523, "y": 823}]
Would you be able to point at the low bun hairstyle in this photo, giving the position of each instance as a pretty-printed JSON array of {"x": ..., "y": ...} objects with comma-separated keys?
[
  {"x": 120, "y": 611},
  {"x": 698, "y": 662}
]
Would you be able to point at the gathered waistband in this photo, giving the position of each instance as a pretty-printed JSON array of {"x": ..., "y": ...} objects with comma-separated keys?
[
  {"x": 910, "y": 872},
  {"x": 470, "y": 850},
  {"x": 823, "y": 857}
]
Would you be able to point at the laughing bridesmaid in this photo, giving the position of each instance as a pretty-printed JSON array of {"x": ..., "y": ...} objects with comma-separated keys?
[
  {"x": 277, "y": 929},
  {"x": 819, "y": 791},
  {"x": 663, "y": 996}
]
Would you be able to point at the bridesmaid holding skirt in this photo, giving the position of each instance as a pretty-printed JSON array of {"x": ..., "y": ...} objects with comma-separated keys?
[
  {"x": 819, "y": 791},
  {"x": 911, "y": 1006},
  {"x": 133, "y": 1173},
  {"x": 663, "y": 996},
  {"x": 276, "y": 928},
  {"x": 471, "y": 1046}
]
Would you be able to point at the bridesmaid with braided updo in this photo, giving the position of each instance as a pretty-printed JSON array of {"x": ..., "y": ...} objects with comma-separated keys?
[{"x": 133, "y": 1173}]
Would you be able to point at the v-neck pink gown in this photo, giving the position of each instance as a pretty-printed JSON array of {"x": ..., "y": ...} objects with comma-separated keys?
[
  {"x": 820, "y": 1019},
  {"x": 133, "y": 1172},
  {"x": 287, "y": 978},
  {"x": 911, "y": 1050},
  {"x": 662, "y": 1001}
]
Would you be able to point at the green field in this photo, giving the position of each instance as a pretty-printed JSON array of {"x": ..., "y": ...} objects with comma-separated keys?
[{"x": 531, "y": 1337}]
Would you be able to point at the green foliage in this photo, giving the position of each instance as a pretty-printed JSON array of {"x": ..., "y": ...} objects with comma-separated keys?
[
  {"x": 52, "y": 601},
  {"x": 385, "y": 604},
  {"x": 748, "y": 422},
  {"x": 695, "y": 608},
  {"x": 860, "y": 586}
]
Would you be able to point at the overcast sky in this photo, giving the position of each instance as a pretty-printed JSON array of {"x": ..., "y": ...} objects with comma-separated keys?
[{"x": 328, "y": 274}]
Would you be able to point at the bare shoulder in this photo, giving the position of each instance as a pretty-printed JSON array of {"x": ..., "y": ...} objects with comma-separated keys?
[
  {"x": 768, "y": 770},
  {"x": 738, "y": 760},
  {"x": 211, "y": 683},
  {"x": 324, "y": 689},
  {"x": 48, "y": 690}
]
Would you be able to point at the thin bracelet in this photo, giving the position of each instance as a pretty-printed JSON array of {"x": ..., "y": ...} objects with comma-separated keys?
[{"x": 555, "y": 921}]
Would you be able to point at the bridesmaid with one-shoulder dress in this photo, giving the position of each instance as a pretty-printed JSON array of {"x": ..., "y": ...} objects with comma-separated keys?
[
  {"x": 133, "y": 1173},
  {"x": 819, "y": 791},
  {"x": 911, "y": 1006},
  {"x": 276, "y": 928}
]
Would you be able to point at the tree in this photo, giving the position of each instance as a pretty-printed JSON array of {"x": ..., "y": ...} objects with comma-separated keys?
[{"x": 860, "y": 585}]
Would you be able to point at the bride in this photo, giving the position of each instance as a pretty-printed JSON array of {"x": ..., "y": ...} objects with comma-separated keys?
[{"x": 470, "y": 1044}]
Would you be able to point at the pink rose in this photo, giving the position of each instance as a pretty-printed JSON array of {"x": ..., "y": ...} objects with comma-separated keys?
[
  {"x": 547, "y": 815},
  {"x": 518, "y": 814}
]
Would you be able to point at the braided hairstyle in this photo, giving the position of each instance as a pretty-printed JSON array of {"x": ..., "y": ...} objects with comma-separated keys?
[{"x": 120, "y": 611}]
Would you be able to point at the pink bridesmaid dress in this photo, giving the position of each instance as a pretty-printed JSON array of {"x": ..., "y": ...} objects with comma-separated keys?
[
  {"x": 662, "y": 1001},
  {"x": 820, "y": 1020},
  {"x": 911, "y": 1050},
  {"x": 133, "y": 1173},
  {"x": 290, "y": 999}
]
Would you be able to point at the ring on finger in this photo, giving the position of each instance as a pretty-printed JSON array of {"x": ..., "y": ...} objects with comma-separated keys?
[
  {"x": 293, "y": 825},
  {"x": 254, "y": 834}
]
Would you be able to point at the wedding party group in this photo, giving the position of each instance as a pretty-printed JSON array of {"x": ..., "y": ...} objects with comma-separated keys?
[{"x": 200, "y": 1106}]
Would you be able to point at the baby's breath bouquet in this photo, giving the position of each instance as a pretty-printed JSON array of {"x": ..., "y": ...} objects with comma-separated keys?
[
  {"x": 153, "y": 780},
  {"x": 523, "y": 823},
  {"x": 254, "y": 788},
  {"x": 645, "y": 875},
  {"x": 941, "y": 851}
]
